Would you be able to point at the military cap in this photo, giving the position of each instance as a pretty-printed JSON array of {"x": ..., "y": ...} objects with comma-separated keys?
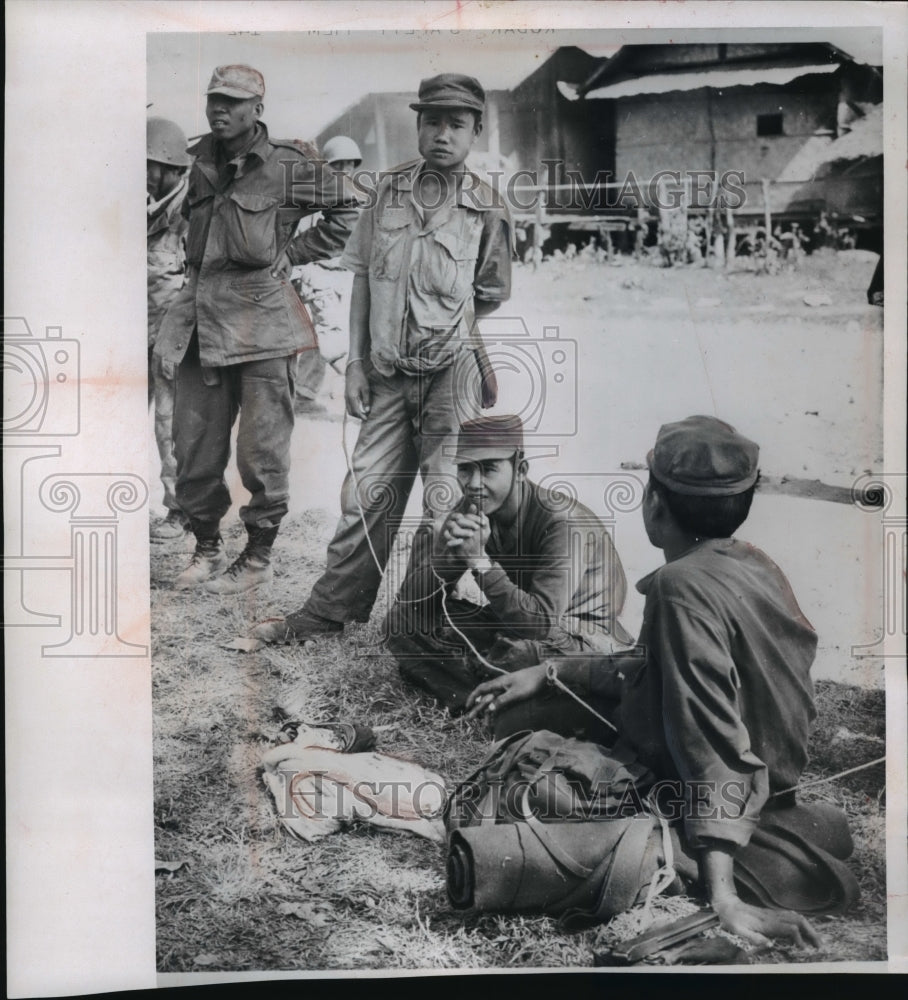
[
  {"x": 703, "y": 456},
  {"x": 450, "y": 90},
  {"x": 489, "y": 437},
  {"x": 238, "y": 81}
]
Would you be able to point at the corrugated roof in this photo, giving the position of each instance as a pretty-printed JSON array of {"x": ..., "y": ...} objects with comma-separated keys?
[{"x": 717, "y": 79}]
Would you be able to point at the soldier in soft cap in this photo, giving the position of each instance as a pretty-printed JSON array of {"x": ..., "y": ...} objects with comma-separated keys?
[
  {"x": 430, "y": 254},
  {"x": 717, "y": 700},
  {"x": 526, "y": 573},
  {"x": 237, "y": 326}
]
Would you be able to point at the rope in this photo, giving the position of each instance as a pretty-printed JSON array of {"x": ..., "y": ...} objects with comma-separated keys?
[
  {"x": 832, "y": 777},
  {"x": 359, "y": 506},
  {"x": 441, "y": 589},
  {"x": 551, "y": 675},
  {"x": 473, "y": 649},
  {"x": 551, "y": 671},
  {"x": 664, "y": 876}
]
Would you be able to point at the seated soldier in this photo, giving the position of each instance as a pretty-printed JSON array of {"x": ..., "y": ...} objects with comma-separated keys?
[
  {"x": 718, "y": 695},
  {"x": 547, "y": 578}
]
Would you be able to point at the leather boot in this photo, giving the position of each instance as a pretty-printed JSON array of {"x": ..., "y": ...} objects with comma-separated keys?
[
  {"x": 208, "y": 561},
  {"x": 251, "y": 568}
]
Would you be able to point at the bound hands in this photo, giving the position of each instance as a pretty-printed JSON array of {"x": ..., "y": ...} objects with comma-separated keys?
[
  {"x": 760, "y": 926},
  {"x": 507, "y": 689},
  {"x": 357, "y": 394},
  {"x": 465, "y": 535},
  {"x": 753, "y": 923}
]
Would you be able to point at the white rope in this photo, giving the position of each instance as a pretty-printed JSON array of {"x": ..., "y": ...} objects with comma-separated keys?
[
  {"x": 551, "y": 674},
  {"x": 419, "y": 600},
  {"x": 832, "y": 777},
  {"x": 664, "y": 876},
  {"x": 359, "y": 506},
  {"x": 474, "y": 650}
]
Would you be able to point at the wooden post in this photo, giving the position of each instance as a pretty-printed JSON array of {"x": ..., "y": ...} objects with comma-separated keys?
[
  {"x": 730, "y": 239},
  {"x": 537, "y": 228},
  {"x": 767, "y": 215},
  {"x": 709, "y": 235}
]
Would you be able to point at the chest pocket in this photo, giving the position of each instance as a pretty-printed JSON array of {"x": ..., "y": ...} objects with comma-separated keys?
[
  {"x": 199, "y": 217},
  {"x": 389, "y": 244},
  {"x": 451, "y": 264},
  {"x": 250, "y": 229}
]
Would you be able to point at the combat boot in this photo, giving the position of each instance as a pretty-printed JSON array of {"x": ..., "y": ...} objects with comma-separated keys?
[
  {"x": 251, "y": 568},
  {"x": 174, "y": 525},
  {"x": 208, "y": 561}
]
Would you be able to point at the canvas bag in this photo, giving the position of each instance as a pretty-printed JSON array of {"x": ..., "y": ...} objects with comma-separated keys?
[{"x": 548, "y": 824}]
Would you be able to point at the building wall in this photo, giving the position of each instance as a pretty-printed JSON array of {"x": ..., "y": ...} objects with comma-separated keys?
[{"x": 712, "y": 130}]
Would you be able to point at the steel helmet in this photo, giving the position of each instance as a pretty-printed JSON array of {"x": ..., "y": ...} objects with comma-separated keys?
[
  {"x": 342, "y": 147},
  {"x": 166, "y": 143}
]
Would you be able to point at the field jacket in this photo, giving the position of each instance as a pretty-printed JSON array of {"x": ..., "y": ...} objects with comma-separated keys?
[
  {"x": 242, "y": 217},
  {"x": 166, "y": 240},
  {"x": 426, "y": 275}
]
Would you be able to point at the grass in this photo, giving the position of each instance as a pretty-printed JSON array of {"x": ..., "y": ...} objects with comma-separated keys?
[{"x": 250, "y": 897}]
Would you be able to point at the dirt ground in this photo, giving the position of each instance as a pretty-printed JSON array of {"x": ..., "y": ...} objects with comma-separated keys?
[{"x": 638, "y": 346}]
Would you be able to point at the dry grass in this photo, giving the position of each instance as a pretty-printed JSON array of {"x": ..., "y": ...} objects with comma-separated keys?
[{"x": 250, "y": 897}]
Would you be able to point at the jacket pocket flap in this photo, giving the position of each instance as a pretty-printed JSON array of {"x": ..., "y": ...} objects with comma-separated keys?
[
  {"x": 253, "y": 202},
  {"x": 458, "y": 248},
  {"x": 394, "y": 218}
]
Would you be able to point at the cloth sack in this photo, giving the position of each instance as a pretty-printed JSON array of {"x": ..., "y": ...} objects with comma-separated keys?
[
  {"x": 562, "y": 826},
  {"x": 319, "y": 789},
  {"x": 546, "y": 824}
]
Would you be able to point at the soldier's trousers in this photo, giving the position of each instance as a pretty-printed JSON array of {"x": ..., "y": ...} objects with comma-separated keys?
[
  {"x": 206, "y": 405},
  {"x": 412, "y": 427}
]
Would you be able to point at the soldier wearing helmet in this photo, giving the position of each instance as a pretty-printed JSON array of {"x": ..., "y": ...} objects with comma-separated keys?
[
  {"x": 166, "y": 166},
  {"x": 342, "y": 153}
]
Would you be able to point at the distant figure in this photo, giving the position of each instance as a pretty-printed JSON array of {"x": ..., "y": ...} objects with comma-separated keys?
[
  {"x": 875, "y": 289},
  {"x": 325, "y": 286}
]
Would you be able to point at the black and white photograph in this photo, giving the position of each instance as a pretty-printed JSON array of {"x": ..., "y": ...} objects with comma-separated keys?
[{"x": 493, "y": 558}]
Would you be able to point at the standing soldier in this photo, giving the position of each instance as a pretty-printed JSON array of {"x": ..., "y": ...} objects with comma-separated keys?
[
  {"x": 166, "y": 164},
  {"x": 432, "y": 253},
  {"x": 237, "y": 325}
]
